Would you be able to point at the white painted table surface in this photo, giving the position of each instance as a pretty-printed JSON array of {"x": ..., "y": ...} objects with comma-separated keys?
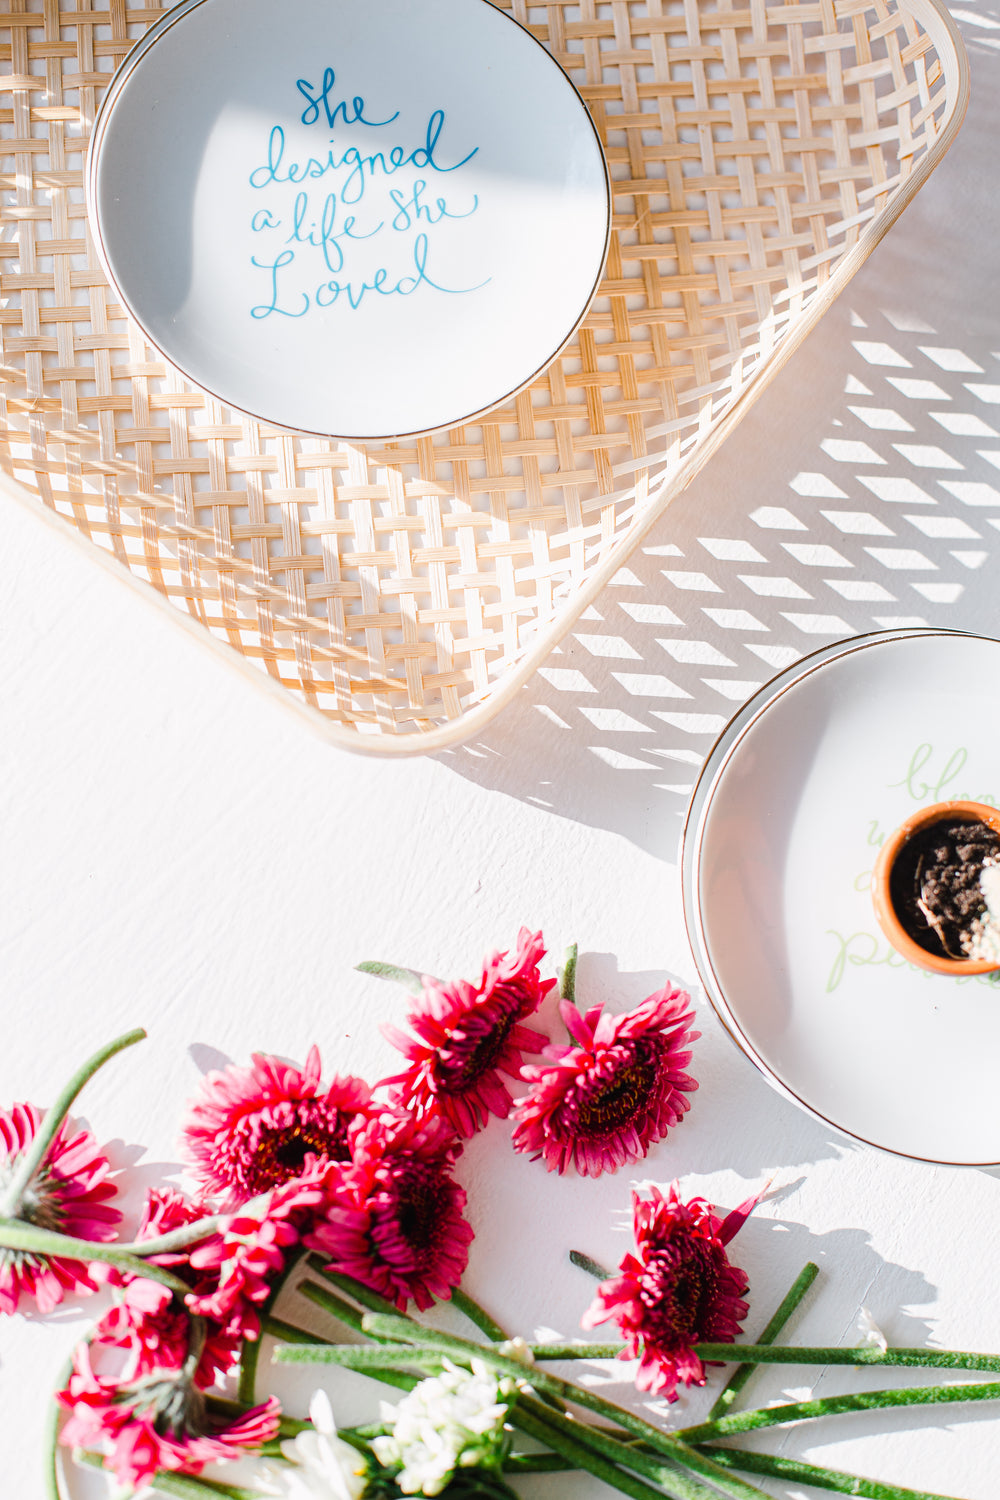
[{"x": 182, "y": 854}]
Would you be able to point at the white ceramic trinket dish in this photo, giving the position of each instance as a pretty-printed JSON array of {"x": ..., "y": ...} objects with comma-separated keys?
[
  {"x": 790, "y": 811},
  {"x": 365, "y": 221}
]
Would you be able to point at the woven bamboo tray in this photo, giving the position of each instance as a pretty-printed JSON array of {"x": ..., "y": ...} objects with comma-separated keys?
[{"x": 403, "y": 592}]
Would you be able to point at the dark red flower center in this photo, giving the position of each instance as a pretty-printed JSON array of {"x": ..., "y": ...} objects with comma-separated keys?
[
  {"x": 280, "y": 1152},
  {"x": 411, "y": 1215},
  {"x": 679, "y": 1291},
  {"x": 475, "y": 1046},
  {"x": 609, "y": 1106}
]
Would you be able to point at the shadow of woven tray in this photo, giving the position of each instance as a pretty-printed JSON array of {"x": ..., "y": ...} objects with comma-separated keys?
[{"x": 403, "y": 592}]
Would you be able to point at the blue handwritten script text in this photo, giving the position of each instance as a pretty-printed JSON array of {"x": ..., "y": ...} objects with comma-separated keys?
[
  {"x": 353, "y": 292},
  {"x": 370, "y": 229},
  {"x": 334, "y": 112}
]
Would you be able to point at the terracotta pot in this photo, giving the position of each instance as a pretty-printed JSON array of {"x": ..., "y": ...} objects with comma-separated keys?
[{"x": 884, "y": 910}]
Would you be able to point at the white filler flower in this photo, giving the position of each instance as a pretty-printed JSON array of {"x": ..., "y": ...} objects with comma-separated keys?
[
  {"x": 321, "y": 1466},
  {"x": 449, "y": 1421},
  {"x": 984, "y": 937},
  {"x": 868, "y": 1334}
]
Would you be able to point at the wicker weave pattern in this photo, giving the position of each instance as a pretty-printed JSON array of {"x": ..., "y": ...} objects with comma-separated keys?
[{"x": 393, "y": 586}]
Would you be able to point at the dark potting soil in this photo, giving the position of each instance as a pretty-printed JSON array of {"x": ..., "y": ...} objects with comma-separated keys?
[{"x": 934, "y": 886}]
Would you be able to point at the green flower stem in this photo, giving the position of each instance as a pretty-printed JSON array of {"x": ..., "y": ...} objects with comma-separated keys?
[
  {"x": 290, "y": 1427},
  {"x": 338, "y": 1308},
  {"x": 191, "y": 1487},
  {"x": 15, "y": 1235},
  {"x": 800, "y": 1411},
  {"x": 178, "y": 1239},
  {"x": 669, "y": 1446},
  {"x": 705, "y": 1467},
  {"x": 787, "y": 1354},
  {"x": 50, "y": 1439},
  {"x": 398, "y": 1379},
  {"x": 562, "y": 1441},
  {"x": 350, "y": 1316},
  {"x": 385, "y": 1359},
  {"x": 287, "y": 1333},
  {"x": 575, "y": 1349},
  {"x": 567, "y": 979},
  {"x": 53, "y": 1489},
  {"x": 246, "y": 1385},
  {"x": 481, "y": 1319},
  {"x": 789, "y": 1303},
  {"x": 592, "y": 1267},
  {"x": 366, "y": 1432},
  {"x": 408, "y": 978},
  {"x": 670, "y": 1475},
  {"x": 376, "y": 1304},
  {"x": 37, "y": 1150},
  {"x": 381, "y": 1360},
  {"x": 290, "y": 1334},
  {"x": 539, "y": 1380},
  {"x": 363, "y": 1295},
  {"x": 362, "y": 1357},
  {"x": 811, "y": 1474},
  {"x": 360, "y": 1445},
  {"x": 477, "y": 1316},
  {"x": 537, "y": 1463},
  {"x": 184, "y": 1486},
  {"x": 246, "y": 1388},
  {"x": 783, "y": 1354}
]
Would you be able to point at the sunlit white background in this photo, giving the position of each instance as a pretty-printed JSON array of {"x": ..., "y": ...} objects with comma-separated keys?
[{"x": 180, "y": 853}]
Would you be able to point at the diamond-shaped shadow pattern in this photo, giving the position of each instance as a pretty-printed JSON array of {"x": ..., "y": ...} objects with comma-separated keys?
[{"x": 887, "y": 516}]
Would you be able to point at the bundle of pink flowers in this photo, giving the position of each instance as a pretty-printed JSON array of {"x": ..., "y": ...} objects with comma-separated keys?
[{"x": 363, "y": 1176}]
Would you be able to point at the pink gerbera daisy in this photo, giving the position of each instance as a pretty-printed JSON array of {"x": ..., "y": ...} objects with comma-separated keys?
[
  {"x": 149, "y": 1323},
  {"x": 465, "y": 1036},
  {"x": 161, "y": 1422},
  {"x": 679, "y": 1290},
  {"x": 150, "y": 1327},
  {"x": 606, "y": 1100},
  {"x": 251, "y": 1249},
  {"x": 249, "y": 1129},
  {"x": 396, "y": 1221},
  {"x": 68, "y": 1193}
]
